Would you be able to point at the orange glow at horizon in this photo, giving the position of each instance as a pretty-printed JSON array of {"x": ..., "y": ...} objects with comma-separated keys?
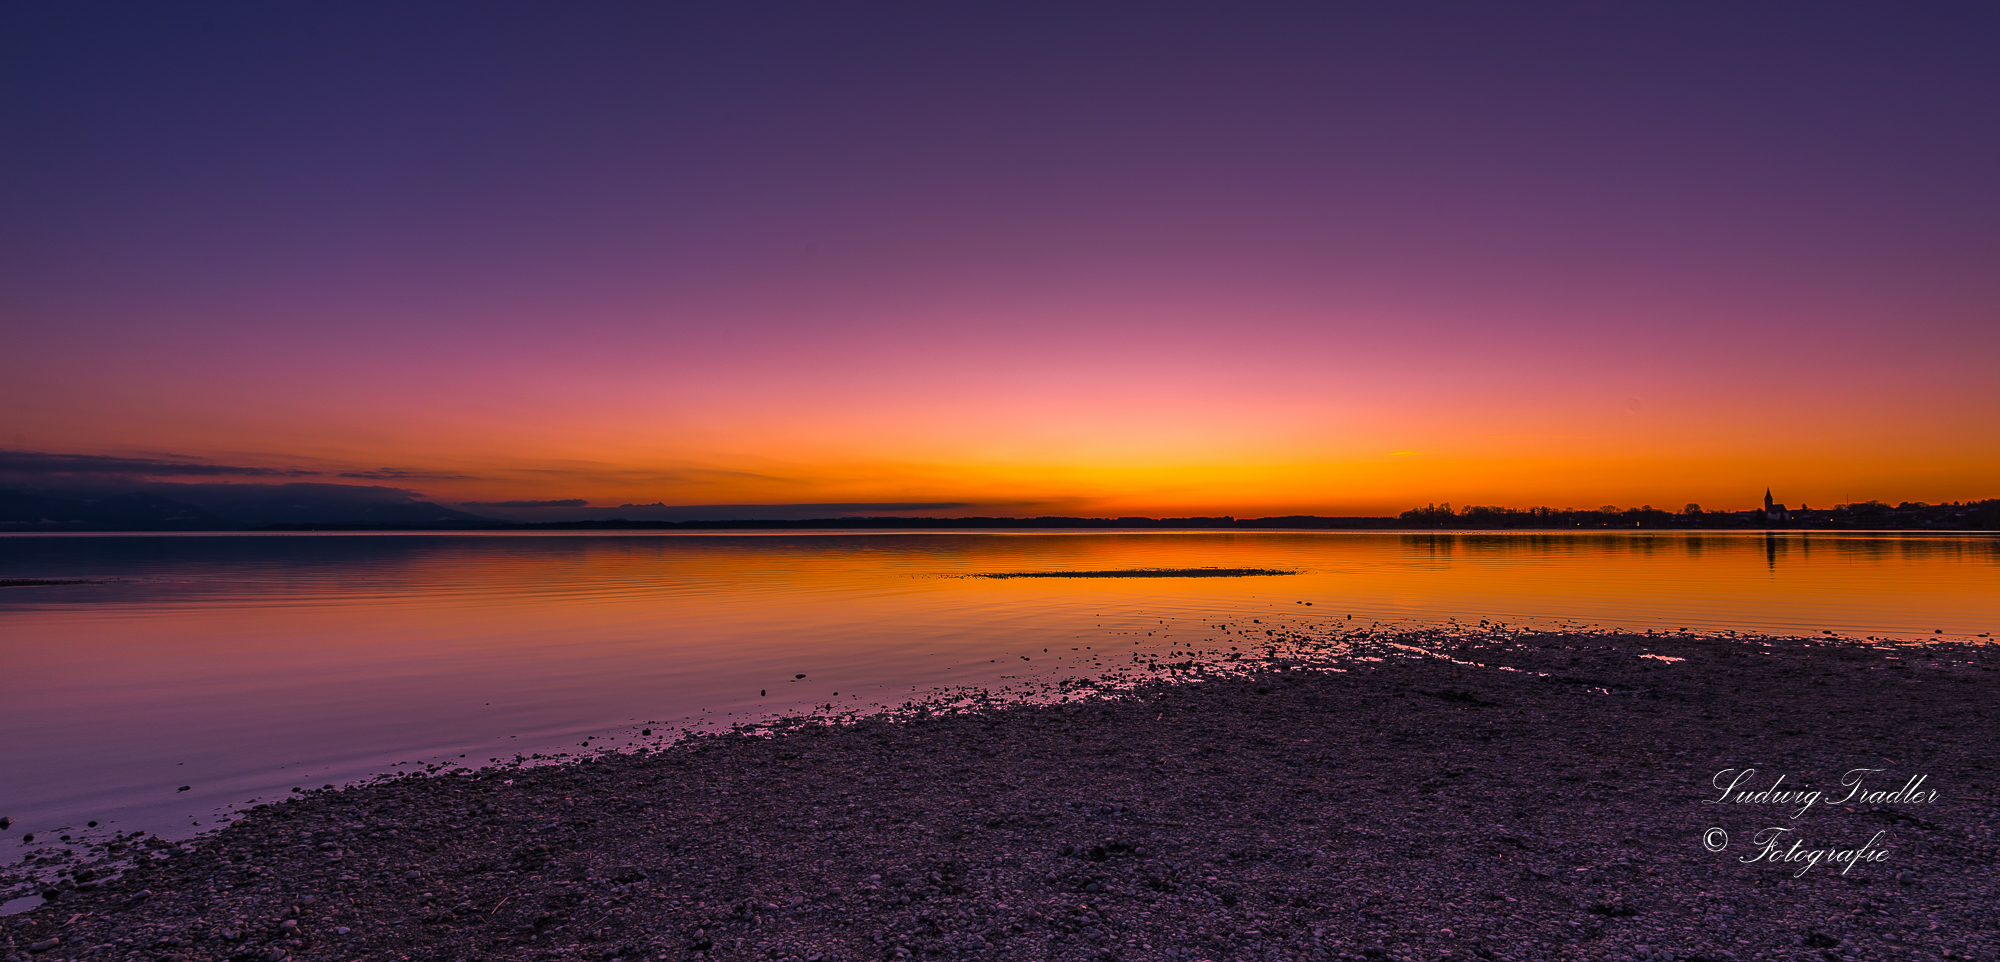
[{"x": 1244, "y": 430}]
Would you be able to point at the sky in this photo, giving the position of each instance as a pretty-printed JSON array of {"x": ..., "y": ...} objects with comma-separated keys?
[{"x": 1158, "y": 259}]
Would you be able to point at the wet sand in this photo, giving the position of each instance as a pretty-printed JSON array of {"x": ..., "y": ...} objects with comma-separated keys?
[{"x": 1518, "y": 796}]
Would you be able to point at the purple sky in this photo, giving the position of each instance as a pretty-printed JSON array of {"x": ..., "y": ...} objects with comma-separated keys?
[{"x": 1147, "y": 258}]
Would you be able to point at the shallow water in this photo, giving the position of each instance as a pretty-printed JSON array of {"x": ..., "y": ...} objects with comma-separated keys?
[{"x": 244, "y": 665}]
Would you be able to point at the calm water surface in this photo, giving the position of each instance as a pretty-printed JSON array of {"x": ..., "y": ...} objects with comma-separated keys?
[{"x": 244, "y": 665}]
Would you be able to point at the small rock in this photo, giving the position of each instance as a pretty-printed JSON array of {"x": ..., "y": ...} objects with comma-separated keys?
[
  {"x": 289, "y": 925},
  {"x": 1906, "y": 877},
  {"x": 5, "y": 821},
  {"x": 183, "y": 788},
  {"x": 341, "y": 930},
  {"x": 44, "y": 945}
]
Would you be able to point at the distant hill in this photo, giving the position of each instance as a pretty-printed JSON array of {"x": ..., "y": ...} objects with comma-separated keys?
[
  {"x": 226, "y": 507},
  {"x": 20, "y": 511},
  {"x": 305, "y": 503}
]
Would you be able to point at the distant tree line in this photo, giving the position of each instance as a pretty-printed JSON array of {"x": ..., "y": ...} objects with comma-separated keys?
[
  {"x": 1955, "y": 515},
  {"x": 1973, "y": 515}
]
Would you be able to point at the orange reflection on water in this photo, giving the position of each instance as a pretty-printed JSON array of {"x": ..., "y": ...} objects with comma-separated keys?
[{"x": 244, "y": 665}]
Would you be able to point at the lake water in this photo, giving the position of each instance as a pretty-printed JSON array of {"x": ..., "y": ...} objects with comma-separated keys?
[{"x": 244, "y": 665}]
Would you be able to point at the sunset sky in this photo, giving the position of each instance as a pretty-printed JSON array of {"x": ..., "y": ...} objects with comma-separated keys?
[{"x": 1138, "y": 259}]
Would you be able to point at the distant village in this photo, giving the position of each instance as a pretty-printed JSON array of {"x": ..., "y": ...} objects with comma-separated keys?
[{"x": 1860, "y": 515}]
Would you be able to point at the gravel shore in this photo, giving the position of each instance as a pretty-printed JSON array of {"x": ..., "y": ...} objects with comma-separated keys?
[{"x": 1512, "y": 796}]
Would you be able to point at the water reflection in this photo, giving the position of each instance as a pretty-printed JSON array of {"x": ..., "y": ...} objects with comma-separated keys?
[{"x": 243, "y": 665}]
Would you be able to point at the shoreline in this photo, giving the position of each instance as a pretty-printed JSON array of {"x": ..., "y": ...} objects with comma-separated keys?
[{"x": 1486, "y": 795}]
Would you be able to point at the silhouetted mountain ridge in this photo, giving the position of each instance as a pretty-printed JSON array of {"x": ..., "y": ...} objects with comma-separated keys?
[
  {"x": 21, "y": 511},
  {"x": 226, "y": 507}
]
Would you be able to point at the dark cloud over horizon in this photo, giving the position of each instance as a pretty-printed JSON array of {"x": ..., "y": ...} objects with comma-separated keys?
[
  {"x": 562, "y": 503},
  {"x": 44, "y": 463},
  {"x": 579, "y": 510},
  {"x": 398, "y": 474}
]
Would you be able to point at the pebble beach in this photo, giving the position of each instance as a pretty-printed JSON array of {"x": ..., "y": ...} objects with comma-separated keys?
[{"x": 1473, "y": 795}]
